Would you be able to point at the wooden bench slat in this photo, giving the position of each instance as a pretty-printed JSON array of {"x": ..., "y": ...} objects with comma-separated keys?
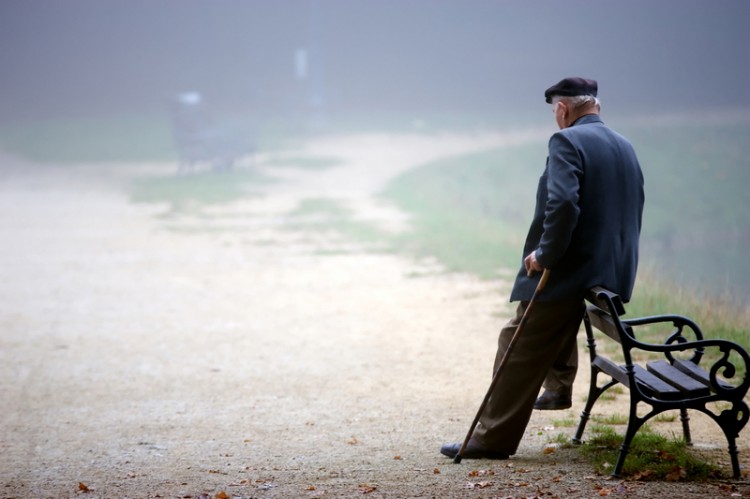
[
  {"x": 594, "y": 297},
  {"x": 688, "y": 385},
  {"x": 603, "y": 322},
  {"x": 667, "y": 383},
  {"x": 649, "y": 383},
  {"x": 609, "y": 367},
  {"x": 654, "y": 386},
  {"x": 698, "y": 373}
]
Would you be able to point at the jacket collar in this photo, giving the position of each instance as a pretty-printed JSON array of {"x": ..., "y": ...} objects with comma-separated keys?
[{"x": 587, "y": 118}]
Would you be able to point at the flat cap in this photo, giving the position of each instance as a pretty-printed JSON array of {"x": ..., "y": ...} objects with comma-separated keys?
[{"x": 570, "y": 87}]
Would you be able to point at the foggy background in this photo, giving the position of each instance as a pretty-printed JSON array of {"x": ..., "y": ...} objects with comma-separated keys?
[
  {"x": 286, "y": 57},
  {"x": 380, "y": 62}
]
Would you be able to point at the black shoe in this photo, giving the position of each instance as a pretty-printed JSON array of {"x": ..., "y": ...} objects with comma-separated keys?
[
  {"x": 553, "y": 401},
  {"x": 472, "y": 451}
]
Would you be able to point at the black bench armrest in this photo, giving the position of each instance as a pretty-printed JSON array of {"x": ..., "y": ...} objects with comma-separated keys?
[
  {"x": 732, "y": 361},
  {"x": 680, "y": 322}
]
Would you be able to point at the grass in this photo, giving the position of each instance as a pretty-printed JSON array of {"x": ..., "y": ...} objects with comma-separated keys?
[
  {"x": 568, "y": 422},
  {"x": 611, "y": 419},
  {"x": 323, "y": 214},
  {"x": 124, "y": 138},
  {"x": 472, "y": 212},
  {"x": 651, "y": 456},
  {"x": 460, "y": 217},
  {"x": 190, "y": 192},
  {"x": 132, "y": 137}
]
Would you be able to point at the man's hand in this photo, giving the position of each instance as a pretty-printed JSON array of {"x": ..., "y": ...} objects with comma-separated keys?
[{"x": 531, "y": 264}]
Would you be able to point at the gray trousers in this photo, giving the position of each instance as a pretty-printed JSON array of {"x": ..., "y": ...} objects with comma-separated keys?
[{"x": 544, "y": 353}]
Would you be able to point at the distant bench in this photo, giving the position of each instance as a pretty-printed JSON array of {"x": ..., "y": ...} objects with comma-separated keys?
[{"x": 676, "y": 381}]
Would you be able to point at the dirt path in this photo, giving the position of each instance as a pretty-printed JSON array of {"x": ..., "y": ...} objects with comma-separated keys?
[{"x": 227, "y": 356}]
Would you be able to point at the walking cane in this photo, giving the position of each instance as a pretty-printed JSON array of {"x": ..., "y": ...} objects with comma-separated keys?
[{"x": 503, "y": 361}]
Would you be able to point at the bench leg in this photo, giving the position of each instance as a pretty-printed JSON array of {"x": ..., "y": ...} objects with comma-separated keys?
[
  {"x": 734, "y": 456},
  {"x": 624, "y": 449},
  {"x": 686, "y": 426},
  {"x": 594, "y": 393},
  {"x": 634, "y": 424}
]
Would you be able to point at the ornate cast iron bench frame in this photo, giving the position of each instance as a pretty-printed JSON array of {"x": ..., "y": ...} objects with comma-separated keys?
[{"x": 677, "y": 381}]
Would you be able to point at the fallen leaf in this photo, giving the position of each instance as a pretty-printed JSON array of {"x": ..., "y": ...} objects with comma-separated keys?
[
  {"x": 643, "y": 475},
  {"x": 366, "y": 489},
  {"x": 476, "y": 473},
  {"x": 83, "y": 487},
  {"x": 676, "y": 474},
  {"x": 222, "y": 495},
  {"x": 311, "y": 488},
  {"x": 435, "y": 471},
  {"x": 665, "y": 455},
  {"x": 549, "y": 450},
  {"x": 397, "y": 458},
  {"x": 352, "y": 441}
]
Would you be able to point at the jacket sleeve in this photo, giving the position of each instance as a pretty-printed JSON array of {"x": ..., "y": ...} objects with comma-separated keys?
[{"x": 564, "y": 176}]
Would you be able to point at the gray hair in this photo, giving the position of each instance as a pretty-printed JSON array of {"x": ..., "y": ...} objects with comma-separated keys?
[{"x": 577, "y": 101}]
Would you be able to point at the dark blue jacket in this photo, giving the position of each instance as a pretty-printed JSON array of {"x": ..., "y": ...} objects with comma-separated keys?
[{"x": 587, "y": 219}]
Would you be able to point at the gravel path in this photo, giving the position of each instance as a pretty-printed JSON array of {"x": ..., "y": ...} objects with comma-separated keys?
[{"x": 225, "y": 354}]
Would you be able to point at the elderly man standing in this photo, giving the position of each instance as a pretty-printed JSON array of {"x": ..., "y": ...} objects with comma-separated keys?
[{"x": 585, "y": 229}]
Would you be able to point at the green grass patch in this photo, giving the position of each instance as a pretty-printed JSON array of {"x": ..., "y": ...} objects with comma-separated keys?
[
  {"x": 610, "y": 419},
  {"x": 651, "y": 456},
  {"x": 562, "y": 440},
  {"x": 125, "y": 138},
  {"x": 135, "y": 137},
  {"x": 323, "y": 214},
  {"x": 611, "y": 394},
  {"x": 189, "y": 193},
  {"x": 567, "y": 422},
  {"x": 718, "y": 316},
  {"x": 665, "y": 417},
  {"x": 472, "y": 213}
]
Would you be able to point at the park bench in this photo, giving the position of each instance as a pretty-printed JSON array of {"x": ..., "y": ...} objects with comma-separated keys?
[
  {"x": 673, "y": 377},
  {"x": 200, "y": 140}
]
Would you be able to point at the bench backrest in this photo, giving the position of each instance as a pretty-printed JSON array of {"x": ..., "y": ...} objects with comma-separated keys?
[{"x": 604, "y": 311}]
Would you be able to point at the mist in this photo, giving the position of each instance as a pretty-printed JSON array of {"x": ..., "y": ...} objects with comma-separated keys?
[
  {"x": 316, "y": 318},
  {"x": 83, "y": 57},
  {"x": 380, "y": 62}
]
